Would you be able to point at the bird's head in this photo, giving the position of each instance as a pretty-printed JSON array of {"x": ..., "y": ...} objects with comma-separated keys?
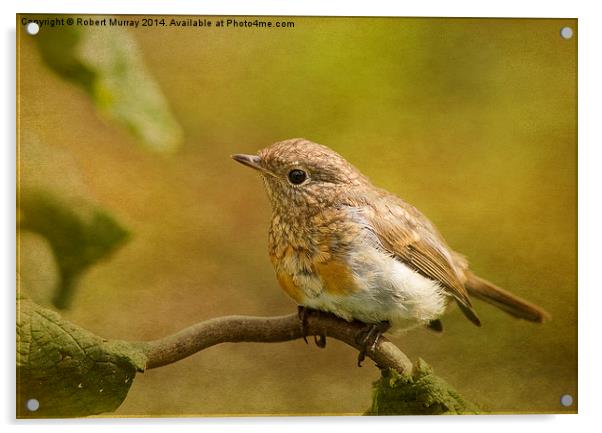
[{"x": 301, "y": 175}]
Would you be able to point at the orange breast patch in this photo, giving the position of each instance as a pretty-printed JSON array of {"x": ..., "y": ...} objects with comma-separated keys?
[
  {"x": 289, "y": 286},
  {"x": 336, "y": 277}
]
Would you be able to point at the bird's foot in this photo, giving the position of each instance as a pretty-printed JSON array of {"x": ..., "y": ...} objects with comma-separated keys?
[
  {"x": 320, "y": 340},
  {"x": 304, "y": 313},
  {"x": 368, "y": 337},
  {"x": 435, "y": 325}
]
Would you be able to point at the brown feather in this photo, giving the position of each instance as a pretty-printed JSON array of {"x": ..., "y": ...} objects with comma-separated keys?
[
  {"x": 410, "y": 237},
  {"x": 504, "y": 300}
]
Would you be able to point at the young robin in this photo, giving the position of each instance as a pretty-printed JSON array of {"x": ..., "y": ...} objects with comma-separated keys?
[{"x": 341, "y": 245}]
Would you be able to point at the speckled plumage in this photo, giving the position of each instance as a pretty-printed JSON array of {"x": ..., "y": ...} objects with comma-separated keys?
[{"x": 340, "y": 244}]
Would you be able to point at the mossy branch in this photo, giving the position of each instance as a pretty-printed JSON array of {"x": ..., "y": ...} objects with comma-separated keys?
[
  {"x": 71, "y": 372},
  {"x": 403, "y": 389},
  {"x": 233, "y": 329}
]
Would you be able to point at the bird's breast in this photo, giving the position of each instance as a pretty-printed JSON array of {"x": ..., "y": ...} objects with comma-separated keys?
[
  {"x": 340, "y": 267},
  {"x": 313, "y": 258}
]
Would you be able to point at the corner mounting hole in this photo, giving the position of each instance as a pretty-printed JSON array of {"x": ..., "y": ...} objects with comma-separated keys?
[
  {"x": 32, "y": 28},
  {"x": 32, "y": 405},
  {"x": 566, "y": 33},
  {"x": 566, "y": 400}
]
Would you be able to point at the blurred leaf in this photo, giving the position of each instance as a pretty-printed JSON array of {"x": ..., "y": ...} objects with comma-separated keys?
[
  {"x": 68, "y": 370},
  {"x": 421, "y": 394},
  {"x": 107, "y": 63},
  {"x": 78, "y": 235}
]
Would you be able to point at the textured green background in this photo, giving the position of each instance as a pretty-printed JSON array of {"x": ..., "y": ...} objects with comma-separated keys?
[{"x": 471, "y": 120}]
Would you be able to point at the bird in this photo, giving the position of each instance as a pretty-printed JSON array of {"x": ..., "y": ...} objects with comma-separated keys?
[{"x": 341, "y": 245}]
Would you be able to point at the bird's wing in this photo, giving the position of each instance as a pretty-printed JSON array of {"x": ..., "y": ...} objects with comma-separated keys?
[{"x": 410, "y": 237}]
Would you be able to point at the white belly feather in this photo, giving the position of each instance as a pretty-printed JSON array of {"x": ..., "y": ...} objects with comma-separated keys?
[{"x": 387, "y": 290}]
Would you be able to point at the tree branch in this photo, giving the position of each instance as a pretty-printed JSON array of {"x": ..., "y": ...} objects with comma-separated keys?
[{"x": 234, "y": 329}]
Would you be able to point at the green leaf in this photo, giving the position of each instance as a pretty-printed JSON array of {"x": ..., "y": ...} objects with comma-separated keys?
[
  {"x": 107, "y": 63},
  {"x": 423, "y": 393},
  {"x": 68, "y": 370},
  {"x": 79, "y": 234}
]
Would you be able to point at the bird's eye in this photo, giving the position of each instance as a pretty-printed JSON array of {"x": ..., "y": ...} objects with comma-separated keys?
[{"x": 297, "y": 176}]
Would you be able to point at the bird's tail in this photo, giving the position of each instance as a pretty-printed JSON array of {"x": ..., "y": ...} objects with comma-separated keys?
[{"x": 504, "y": 300}]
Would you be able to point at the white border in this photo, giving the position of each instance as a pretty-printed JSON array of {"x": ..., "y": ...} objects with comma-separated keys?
[
  {"x": 590, "y": 216},
  {"x": 508, "y": 8}
]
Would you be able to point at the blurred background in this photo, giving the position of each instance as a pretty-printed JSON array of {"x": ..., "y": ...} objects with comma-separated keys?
[{"x": 136, "y": 223}]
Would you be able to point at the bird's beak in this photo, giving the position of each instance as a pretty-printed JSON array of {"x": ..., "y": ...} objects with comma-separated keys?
[{"x": 252, "y": 161}]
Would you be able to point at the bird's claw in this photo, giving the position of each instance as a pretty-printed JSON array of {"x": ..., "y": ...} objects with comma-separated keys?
[
  {"x": 320, "y": 340},
  {"x": 368, "y": 338},
  {"x": 303, "y": 313}
]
